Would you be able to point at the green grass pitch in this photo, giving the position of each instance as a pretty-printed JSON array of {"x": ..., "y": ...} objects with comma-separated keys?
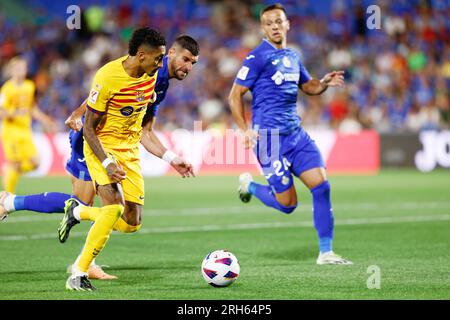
[{"x": 396, "y": 220}]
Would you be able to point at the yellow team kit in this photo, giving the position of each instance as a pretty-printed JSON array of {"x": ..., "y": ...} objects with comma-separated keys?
[
  {"x": 16, "y": 135},
  {"x": 123, "y": 99}
]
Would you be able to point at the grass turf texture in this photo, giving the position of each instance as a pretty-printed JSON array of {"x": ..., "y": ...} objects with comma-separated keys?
[{"x": 397, "y": 220}]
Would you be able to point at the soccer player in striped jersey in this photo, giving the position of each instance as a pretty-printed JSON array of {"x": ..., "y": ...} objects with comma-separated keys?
[
  {"x": 181, "y": 57},
  {"x": 117, "y": 103}
]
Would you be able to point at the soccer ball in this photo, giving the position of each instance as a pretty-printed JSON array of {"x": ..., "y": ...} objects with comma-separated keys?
[{"x": 220, "y": 268}]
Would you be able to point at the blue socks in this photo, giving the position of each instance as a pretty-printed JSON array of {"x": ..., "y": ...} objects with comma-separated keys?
[
  {"x": 265, "y": 194},
  {"x": 323, "y": 216},
  {"x": 49, "y": 202},
  {"x": 322, "y": 211}
]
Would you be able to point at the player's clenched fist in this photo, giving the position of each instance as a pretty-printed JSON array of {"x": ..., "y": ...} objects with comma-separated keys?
[
  {"x": 115, "y": 172},
  {"x": 74, "y": 123}
]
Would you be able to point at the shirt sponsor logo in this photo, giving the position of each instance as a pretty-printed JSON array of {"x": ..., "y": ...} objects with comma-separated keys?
[
  {"x": 141, "y": 109},
  {"x": 250, "y": 57},
  {"x": 126, "y": 111},
  {"x": 279, "y": 77}
]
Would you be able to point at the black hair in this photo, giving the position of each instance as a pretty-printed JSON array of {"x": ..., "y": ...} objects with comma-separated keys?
[
  {"x": 147, "y": 36},
  {"x": 188, "y": 43},
  {"x": 273, "y": 7}
]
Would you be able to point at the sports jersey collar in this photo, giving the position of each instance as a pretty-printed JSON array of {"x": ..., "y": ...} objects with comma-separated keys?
[{"x": 270, "y": 44}]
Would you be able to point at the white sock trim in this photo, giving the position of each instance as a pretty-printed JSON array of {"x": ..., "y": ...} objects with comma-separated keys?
[
  {"x": 9, "y": 203},
  {"x": 76, "y": 213},
  {"x": 77, "y": 272}
]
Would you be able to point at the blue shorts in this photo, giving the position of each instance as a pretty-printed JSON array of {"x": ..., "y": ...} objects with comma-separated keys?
[
  {"x": 76, "y": 165},
  {"x": 283, "y": 155}
]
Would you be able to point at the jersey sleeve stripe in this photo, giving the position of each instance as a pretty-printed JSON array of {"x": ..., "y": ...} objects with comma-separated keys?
[
  {"x": 133, "y": 93},
  {"x": 147, "y": 99},
  {"x": 93, "y": 110},
  {"x": 132, "y": 100},
  {"x": 138, "y": 86}
]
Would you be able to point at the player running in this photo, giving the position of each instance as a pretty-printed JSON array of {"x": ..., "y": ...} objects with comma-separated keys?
[
  {"x": 17, "y": 108},
  {"x": 273, "y": 73},
  {"x": 117, "y": 103},
  {"x": 181, "y": 57}
]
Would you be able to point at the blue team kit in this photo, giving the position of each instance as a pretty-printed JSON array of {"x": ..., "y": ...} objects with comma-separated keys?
[
  {"x": 283, "y": 148},
  {"x": 76, "y": 165}
]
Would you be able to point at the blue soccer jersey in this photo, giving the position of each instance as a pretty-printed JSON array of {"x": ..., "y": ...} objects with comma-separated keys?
[
  {"x": 273, "y": 77},
  {"x": 162, "y": 85},
  {"x": 76, "y": 165}
]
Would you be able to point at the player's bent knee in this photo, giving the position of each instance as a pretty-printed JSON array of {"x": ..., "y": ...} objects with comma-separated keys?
[
  {"x": 132, "y": 214},
  {"x": 322, "y": 188},
  {"x": 124, "y": 227},
  {"x": 287, "y": 209}
]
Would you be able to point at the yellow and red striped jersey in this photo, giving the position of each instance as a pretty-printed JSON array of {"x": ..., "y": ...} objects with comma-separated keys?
[{"x": 123, "y": 99}]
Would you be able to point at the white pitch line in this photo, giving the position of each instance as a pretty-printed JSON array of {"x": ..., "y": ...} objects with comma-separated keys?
[
  {"x": 209, "y": 211},
  {"x": 246, "y": 226}
]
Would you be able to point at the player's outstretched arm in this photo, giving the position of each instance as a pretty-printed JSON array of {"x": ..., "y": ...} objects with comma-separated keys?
[
  {"x": 152, "y": 144},
  {"x": 315, "y": 87},
  {"x": 238, "y": 113},
  {"x": 74, "y": 120},
  {"x": 48, "y": 123},
  {"x": 115, "y": 172}
]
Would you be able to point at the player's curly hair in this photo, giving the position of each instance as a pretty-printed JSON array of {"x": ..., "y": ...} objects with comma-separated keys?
[
  {"x": 147, "y": 36},
  {"x": 188, "y": 43}
]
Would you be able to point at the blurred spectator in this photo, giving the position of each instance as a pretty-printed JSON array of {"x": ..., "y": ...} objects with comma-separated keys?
[{"x": 397, "y": 78}]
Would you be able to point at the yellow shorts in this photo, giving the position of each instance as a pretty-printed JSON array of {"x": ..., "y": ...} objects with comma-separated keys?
[
  {"x": 19, "y": 146},
  {"x": 132, "y": 185}
]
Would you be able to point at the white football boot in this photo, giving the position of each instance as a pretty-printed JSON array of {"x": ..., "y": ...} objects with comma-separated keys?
[
  {"x": 3, "y": 206},
  {"x": 331, "y": 258},
  {"x": 79, "y": 283},
  {"x": 244, "y": 181}
]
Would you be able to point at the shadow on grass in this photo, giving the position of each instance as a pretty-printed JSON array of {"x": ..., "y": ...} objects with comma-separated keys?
[
  {"x": 175, "y": 266},
  {"x": 308, "y": 253}
]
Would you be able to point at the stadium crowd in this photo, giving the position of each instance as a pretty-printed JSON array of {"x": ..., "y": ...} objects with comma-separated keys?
[{"x": 397, "y": 77}]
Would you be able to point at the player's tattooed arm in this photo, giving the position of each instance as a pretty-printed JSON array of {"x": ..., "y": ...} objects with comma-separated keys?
[
  {"x": 74, "y": 120},
  {"x": 315, "y": 87},
  {"x": 91, "y": 121},
  {"x": 238, "y": 113}
]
